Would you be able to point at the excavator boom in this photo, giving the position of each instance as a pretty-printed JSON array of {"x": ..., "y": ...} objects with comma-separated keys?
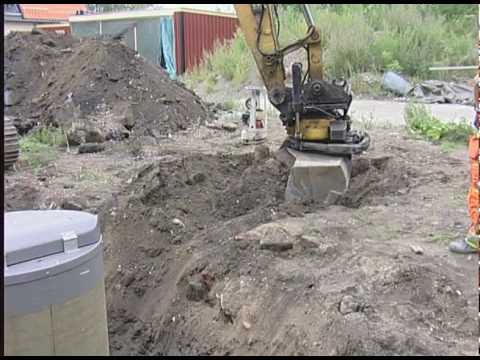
[{"x": 314, "y": 111}]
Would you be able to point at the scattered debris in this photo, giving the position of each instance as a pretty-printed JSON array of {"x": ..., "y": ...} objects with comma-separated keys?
[
  {"x": 439, "y": 92},
  {"x": 222, "y": 125},
  {"x": 348, "y": 305},
  {"x": 178, "y": 222},
  {"x": 416, "y": 249}
]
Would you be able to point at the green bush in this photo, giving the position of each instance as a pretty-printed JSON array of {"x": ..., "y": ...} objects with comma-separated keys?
[
  {"x": 420, "y": 121},
  {"x": 232, "y": 60}
]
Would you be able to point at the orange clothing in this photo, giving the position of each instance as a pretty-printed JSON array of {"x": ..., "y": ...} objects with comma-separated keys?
[{"x": 474, "y": 194}]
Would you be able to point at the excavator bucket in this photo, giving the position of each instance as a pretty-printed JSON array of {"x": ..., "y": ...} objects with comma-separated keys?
[{"x": 317, "y": 178}]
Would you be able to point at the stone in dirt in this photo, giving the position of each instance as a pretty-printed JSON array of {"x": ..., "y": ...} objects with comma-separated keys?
[
  {"x": 197, "y": 290},
  {"x": 198, "y": 178},
  {"x": 229, "y": 126},
  {"x": 261, "y": 152},
  {"x": 223, "y": 125},
  {"x": 349, "y": 305},
  {"x": 88, "y": 148},
  {"x": 72, "y": 204},
  {"x": 416, "y": 249},
  {"x": 276, "y": 238},
  {"x": 94, "y": 136},
  {"x": 76, "y": 137}
]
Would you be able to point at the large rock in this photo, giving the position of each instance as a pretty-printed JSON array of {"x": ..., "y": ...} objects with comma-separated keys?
[
  {"x": 90, "y": 148},
  {"x": 277, "y": 239},
  {"x": 271, "y": 236},
  {"x": 76, "y": 136},
  {"x": 94, "y": 136}
]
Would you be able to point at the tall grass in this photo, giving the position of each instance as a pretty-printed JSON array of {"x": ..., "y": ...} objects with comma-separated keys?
[
  {"x": 357, "y": 38},
  {"x": 232, "y": 60}
]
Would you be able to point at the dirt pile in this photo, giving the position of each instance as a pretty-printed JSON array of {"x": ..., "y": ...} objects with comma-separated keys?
[{"x": 94, "y": 88}]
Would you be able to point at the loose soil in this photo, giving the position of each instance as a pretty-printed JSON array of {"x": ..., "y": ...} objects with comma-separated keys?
[{"x": 186, "y": 273}]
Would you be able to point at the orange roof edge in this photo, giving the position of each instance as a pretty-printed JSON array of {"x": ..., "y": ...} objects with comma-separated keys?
[{"x": 50, "y": 11}]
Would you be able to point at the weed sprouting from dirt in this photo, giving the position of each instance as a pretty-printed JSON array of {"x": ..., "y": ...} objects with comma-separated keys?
[
  {"x": 41, "y": 147},
  {"x": 420, "y": 121}
]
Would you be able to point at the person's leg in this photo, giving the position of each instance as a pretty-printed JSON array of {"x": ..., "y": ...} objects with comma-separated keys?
[{"x": 470, "y": 243}]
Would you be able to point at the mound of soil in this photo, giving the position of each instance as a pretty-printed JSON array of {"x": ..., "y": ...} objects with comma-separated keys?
[{"x": 93, "y": 85}]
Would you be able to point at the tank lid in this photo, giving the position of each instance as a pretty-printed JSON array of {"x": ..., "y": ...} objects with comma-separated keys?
[{"x": 35, "y": 234}]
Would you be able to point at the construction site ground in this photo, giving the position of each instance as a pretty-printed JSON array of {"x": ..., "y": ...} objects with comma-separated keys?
[
  {"x": 186, "y": 275},
  {"x": 202, "y": 253}
]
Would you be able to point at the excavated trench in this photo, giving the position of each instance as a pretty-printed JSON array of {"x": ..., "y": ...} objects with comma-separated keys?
[
  {"x": 172, "y": 254},
  {"x": 179, "y": 211}
]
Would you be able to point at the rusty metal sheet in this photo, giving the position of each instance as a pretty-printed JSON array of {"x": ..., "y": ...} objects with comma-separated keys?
[{"x": 197, "y": 34}]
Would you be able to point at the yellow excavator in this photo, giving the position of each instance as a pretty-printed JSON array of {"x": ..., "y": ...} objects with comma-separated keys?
[{"x": 314, "y": 111}]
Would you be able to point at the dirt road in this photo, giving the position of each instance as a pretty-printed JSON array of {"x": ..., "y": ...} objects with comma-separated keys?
[{"x": 392, "y": 112}]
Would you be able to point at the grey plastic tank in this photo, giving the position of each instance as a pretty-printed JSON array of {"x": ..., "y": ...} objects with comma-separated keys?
[
  {"x": 396, "y": 83},
  {"x": 54, "y": 284}
]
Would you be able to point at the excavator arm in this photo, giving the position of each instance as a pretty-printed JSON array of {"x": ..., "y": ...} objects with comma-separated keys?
[
  {"x": 313, "y": 110},
  {"x": 261, "y": 33}
]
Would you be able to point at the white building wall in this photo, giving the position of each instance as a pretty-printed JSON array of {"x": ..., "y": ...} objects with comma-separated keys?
[{"x": 9, "y": 26}]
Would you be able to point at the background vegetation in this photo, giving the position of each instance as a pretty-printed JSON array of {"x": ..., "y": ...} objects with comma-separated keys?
[{"x": 359, "y": 38}]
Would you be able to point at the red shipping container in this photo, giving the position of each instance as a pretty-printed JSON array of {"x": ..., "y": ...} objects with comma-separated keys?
[{"x": 197, "y": 33}]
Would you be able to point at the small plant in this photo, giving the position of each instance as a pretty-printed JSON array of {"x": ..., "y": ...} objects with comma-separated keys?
[
  {"x": 421, "y": 121},
  {"x": 229, "y": 105},
  {"x": 231, "y": 60},
  {"x": 39, "y": 147},
  {"x": 366, "y": 123},
  {"x": 362, "y": 85},
  {"x": 48, "y": 136}
]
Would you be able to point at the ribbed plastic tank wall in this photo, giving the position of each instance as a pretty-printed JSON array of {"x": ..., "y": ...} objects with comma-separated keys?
[{"x": 54, "y": 284}]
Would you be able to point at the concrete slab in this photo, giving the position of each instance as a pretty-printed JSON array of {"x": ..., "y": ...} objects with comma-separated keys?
[{"x": 317, "y": 178}]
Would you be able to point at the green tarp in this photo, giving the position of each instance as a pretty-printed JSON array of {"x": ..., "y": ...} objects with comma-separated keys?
[{"x": 155, "y": 37}]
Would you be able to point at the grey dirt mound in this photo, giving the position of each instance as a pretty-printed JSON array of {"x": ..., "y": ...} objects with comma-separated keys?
[{"x": 93, "y": 85}]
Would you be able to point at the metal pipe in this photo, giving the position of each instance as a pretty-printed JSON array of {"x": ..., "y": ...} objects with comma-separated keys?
[
  {"x": 441, "y": 68},
  {"x": 308, "y": 15},
  {"x": 135, "y": 36}
]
